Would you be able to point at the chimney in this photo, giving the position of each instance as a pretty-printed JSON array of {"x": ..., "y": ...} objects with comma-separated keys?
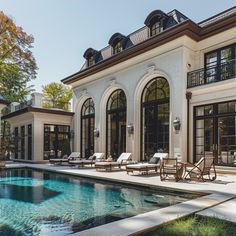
[{"x": 37, "y": 99}]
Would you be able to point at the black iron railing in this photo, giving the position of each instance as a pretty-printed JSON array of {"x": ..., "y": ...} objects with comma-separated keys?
[{"x": 212, "y": 74}]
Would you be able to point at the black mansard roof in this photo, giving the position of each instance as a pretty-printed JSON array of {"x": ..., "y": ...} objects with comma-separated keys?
[{"x": 175, "y": 24}]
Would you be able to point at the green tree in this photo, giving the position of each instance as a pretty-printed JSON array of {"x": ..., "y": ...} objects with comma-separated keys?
[
  {"x": 15, "y": 45},
  {"x": 57, "y": 95},
  {"x": 17, "y": 64}
]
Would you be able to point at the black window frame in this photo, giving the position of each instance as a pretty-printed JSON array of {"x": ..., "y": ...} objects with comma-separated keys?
[
  {"x": 22, "y": 135},
  {"x": 30, "y": 141},
  {"x": 120, "y": 108},
  {"x": 215, "y": 115},
  {"x": 16, "y": 141},
  {"x": 56, "y": 131},
  {"x": 150, "y": 103},
  {"x": 219, "y": 65},
  {"x": 88, "y": 104}
]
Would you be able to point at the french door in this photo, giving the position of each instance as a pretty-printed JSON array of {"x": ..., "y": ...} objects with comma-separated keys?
[{"x": 215, "y": 132}]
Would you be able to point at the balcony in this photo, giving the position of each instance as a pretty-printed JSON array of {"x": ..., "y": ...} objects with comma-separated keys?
[{"x": 213, "y": 74}]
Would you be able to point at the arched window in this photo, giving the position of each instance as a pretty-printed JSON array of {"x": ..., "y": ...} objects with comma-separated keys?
[
  {"x": 116, "y": 124},
  {"x": 155, "y": 118},
  {"x": 87, "y": 128}
]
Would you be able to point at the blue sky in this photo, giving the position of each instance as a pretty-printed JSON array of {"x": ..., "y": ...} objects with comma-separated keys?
[{"x": 64, "y": 29}]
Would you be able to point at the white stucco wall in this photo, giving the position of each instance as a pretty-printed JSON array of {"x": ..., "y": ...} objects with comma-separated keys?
[
  {"x": 37, "y": 120},
  {"x": 133, "y": 80}
]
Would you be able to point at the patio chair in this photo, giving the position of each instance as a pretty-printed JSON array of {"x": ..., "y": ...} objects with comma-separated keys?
[
  {"x": 152, "y": 165},
  {"x": 90, "y": 161},
  {"x": 200, "y": 169},
  {"x": 171, "y": 167},
  {"x": 72, "y": 156},
  {"x": 124, "y": 159}
]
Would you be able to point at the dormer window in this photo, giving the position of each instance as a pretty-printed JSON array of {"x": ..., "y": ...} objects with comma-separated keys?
[
  {"x": 117, "y": 47},
  {"x": 90, "y": 60},
  {"x": 91, "y": 56},
  {"x": 155, "y": 28},
  {"x": 118, "y": 43},
  {"x": 156, "y": 21}
]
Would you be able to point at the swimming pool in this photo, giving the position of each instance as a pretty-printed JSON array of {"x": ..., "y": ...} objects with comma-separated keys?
[{"x": 45, "y": 203}]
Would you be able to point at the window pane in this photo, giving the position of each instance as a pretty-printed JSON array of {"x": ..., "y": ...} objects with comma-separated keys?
[
  {"x": 208, "y": 110},
  {"x": 223, "y": 107},
  {"x": 199, "y": 111},
  {"x": 232, "y": 107},
  {"x": 211, "y": 59}
]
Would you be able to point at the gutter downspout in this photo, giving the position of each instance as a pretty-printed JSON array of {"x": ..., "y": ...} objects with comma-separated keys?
[{"x": 188, "y": 97}]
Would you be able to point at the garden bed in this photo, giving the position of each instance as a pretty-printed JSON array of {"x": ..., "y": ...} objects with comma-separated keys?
[{"x": 196, "y": 226}]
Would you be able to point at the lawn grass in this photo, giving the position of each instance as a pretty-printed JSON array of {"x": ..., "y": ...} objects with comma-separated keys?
[{"x": 196, "y": 226}]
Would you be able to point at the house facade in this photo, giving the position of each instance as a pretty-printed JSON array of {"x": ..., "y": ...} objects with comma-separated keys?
[
  {"x": 38, "y": 133},
  {"x": 168, "y": 87}
]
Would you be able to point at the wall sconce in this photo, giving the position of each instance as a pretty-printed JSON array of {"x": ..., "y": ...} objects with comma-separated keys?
[
  {"x": 177, "y": 124},
  {"x": 130, "y": 128},
  {"x": 96, "y": 133}
]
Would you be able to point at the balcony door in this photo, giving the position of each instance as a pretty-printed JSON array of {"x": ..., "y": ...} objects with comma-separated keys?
[{"x": 215, "y": 132}]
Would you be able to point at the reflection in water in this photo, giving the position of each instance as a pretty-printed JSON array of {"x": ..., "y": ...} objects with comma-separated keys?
[{"x": 32, "y": 194}]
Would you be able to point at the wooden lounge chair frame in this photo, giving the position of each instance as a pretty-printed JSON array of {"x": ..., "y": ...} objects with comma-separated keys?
[
  {"x": 83, "y": 162},
  {"x": 200, "y": 169},
  {"x": 146, "y": 167},
  {"x": 119, "y": 163},
  {"x": 171, "y": 167},
  {"x": 143, "y": 169},
  {"x": 59, "y": 161}
]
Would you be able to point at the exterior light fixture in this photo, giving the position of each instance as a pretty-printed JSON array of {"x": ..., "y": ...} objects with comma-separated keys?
[
  {"x": 130, "y": 128},
  {"x": 96, "y": 133},
  {"x": 177, "y": 124}
]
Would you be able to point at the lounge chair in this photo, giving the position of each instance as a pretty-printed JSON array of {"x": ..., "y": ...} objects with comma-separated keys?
[
  {"x": 153, "y": 164},
  {"x": 96, "y": 157},
  {"x": 171, "y": 167},
  {"x": 72, "y": 156},
  {"x": 198, "y": 170},
  {"x": 123, "y": 160}
]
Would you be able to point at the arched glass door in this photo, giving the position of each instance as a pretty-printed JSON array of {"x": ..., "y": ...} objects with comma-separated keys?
[
  {"x": 155, "y": 118},
  {"x": 87, "y": 128},
  {"x": 116, "y": 124}
]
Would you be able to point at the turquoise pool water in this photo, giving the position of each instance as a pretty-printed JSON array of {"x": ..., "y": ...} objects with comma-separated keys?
[{"x": 43, "y": 203}]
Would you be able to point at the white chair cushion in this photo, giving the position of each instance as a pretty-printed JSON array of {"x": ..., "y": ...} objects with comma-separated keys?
[
  {"x": 161, "y": 155},
  {"x": 74, "y": 155},
  {"x": 99, "y": 156},
  {"x": 125, "y": 156}
]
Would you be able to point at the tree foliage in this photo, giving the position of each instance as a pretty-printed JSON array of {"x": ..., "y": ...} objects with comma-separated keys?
[
  {"x": 57, "y": 95},
  {"x": 15, "y": 45},
  {"x": 17, "y": 65}
]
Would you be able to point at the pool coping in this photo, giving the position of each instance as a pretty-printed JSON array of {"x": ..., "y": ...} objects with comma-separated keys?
[{"x": 148, "y": 221}]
